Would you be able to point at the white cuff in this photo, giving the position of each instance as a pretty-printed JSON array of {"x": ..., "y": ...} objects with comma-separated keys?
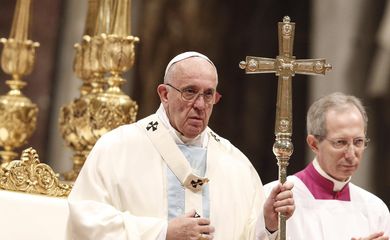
[
  {"x": 272, "y": 236},
  {"x": 163, "y": 233}
]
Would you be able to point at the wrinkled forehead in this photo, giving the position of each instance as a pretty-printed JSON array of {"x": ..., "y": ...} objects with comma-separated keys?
[{"x": 343, "y": 115}]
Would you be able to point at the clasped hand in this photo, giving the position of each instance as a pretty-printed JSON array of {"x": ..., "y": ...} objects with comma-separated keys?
[
  {"x": 190, "y": 227},
  {"x": 375, "y": 236}
]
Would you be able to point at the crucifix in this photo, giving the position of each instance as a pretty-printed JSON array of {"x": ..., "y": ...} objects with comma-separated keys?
[{"x": 285, "y": 66}]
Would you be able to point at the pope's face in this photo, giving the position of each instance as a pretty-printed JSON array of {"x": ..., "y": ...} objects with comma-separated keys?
[
  {"x": 346, "y": 125},
  {"x": 190, "y": 118}
]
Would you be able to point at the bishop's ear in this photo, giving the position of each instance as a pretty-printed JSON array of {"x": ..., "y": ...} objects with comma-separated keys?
[
  {"x": 163, "y": 93},
  {"x": 312, "y": 142}
]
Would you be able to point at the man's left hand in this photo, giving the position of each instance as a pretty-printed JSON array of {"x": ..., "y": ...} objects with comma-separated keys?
[{"x": 279, "y": 201}]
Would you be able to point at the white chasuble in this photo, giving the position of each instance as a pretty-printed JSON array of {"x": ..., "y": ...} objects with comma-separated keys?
[{"x": 121, "y": 192}]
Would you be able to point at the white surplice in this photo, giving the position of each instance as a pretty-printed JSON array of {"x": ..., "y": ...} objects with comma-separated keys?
[
  {"x": 121, "y": 192},
  {"x": 322, "y": 219}
]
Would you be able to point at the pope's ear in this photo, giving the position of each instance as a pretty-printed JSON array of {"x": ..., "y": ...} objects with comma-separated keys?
[
  {"x": 312, "y": 142},
  {"x": 163, "y": 92}
]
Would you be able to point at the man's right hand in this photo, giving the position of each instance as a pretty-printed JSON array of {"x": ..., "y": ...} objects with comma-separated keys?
[
  {"x": 189, "y": 227},
  {"x": 375, "y": 236}
]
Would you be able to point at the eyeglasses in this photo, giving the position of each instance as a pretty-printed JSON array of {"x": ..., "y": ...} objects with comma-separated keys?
[
  {"x": 343, "y": 144},
  {"x": 189, "y": 94}
]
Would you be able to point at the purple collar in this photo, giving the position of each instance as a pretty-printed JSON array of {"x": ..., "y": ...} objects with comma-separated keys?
[{"x": 320, "y": 187}]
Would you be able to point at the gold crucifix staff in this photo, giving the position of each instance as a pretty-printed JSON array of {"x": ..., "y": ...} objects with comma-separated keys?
[{"x": 285, "y": 66}]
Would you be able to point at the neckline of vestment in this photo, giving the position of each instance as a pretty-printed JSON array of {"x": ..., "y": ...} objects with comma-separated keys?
[{"x": 321, "y": 187}]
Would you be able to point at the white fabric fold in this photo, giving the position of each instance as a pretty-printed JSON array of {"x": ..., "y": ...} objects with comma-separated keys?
[{"x": 121, "y": 191}]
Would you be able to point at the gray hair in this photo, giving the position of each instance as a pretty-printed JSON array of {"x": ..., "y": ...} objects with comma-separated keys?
[{"x": 316, "y": 115}]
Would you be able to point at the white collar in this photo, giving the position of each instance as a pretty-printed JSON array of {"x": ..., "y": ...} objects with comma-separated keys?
[
  {"x": 199, "y": 141},
  {"x": 337, "y": 185}
]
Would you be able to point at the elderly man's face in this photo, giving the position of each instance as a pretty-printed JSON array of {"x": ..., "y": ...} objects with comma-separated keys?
[
  {"x": 346, "y": 126},
  {"x": 192, "y": 74}
]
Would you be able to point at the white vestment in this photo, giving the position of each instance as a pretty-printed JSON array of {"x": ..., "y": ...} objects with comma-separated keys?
[
  {"x": 121, "y": 192},
  {"x": 329, "y": 219}
]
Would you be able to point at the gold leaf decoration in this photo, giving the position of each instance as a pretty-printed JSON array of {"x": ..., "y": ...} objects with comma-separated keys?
[{"x": 31, "y": 176}]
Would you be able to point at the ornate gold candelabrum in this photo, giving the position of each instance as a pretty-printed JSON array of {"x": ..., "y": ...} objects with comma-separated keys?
[
  {"x": 99, "y": 61},
  {"x": 18, "y": 115}
]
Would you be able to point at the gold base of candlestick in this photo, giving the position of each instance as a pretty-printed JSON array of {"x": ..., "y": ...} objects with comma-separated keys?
[
  {"x": 78, "y": 161},
  {"x": 18, "y": 117},
  {"x": 86, "y": 119}
]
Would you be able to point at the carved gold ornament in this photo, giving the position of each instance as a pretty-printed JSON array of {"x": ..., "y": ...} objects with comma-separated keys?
[{"x": 30, "y": 176}]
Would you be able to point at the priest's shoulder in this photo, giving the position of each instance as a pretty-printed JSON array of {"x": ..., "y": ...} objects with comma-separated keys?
[{"x": 359, "y": 194}]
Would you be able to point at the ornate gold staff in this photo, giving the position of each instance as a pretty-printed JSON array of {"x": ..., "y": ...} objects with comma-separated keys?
[{"x": 285, "y": 66}]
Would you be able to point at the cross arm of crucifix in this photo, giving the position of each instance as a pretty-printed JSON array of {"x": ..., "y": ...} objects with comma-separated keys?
[
  {"x": 285, "y": 64},
  {"x": 282, "y": 66}
]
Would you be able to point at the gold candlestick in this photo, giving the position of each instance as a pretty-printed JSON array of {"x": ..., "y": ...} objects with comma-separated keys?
[
  {"x": 285, "y": 66},
  {"x": 18, "y": 114},
  {"x": 100, "y": 60}
]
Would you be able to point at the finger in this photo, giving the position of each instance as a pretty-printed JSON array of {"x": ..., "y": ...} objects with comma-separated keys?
[
  {"x": 373, "y": 236},
  {"x": 275, "y": 191},
  {"x": 285, "y": 210},
  {"x": 284, "y": 202},
  {"x": 376, "y": 235},
  {"x": 204, "y": 236},
  {"x": 203, "y": 221},
  {"x": 287, "y": 186},
  {"x": 383, "y": 238},
  {"x": 287, "y": 194},
  {"x": 207, "y": 229}
]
